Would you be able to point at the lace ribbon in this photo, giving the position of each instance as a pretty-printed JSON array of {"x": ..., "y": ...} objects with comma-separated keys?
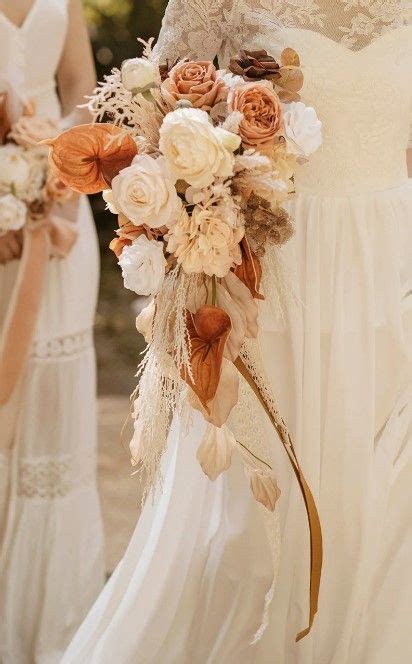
[{"x": 316, "y": 541}]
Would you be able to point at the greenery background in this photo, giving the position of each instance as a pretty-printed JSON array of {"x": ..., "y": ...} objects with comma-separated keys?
[{"x": 114, "y": 27}]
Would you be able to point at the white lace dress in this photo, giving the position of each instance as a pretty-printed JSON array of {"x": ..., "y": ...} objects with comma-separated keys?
[
  {"x": 191, "y": 587},
  {"x": 51, "y": 563}
]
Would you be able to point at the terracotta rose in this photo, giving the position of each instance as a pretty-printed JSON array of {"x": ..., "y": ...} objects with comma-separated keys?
[
  {"x": 197, "y": 82},
  {"x": 262, "y": 114}
]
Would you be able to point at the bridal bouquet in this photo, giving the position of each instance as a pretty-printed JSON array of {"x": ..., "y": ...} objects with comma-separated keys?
[
  {"x": 28, "y": 188},
  {"x": 197, "y": 164}
]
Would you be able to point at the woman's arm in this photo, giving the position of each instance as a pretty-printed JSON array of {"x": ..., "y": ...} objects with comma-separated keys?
[
  {"x": 76, "y": 75},
  {"x": 192, "y": 29}
]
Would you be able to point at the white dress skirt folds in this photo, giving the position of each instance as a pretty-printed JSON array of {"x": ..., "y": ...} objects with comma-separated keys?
[
  {"x": 51, "y": 543},
  {"x": 335, "y": 341}
]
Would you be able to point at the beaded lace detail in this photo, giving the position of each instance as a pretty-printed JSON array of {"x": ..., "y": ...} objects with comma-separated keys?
[
  {"x": 48, "y": 477},
  {"x": 62, "y": 348},
  {"x": 206, "y": 28}
]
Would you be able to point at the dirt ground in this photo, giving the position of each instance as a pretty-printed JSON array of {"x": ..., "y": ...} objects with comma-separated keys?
[{"x": 119, "y": 491}]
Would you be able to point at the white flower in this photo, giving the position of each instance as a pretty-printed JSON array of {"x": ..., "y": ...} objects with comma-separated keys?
[
  {"x": 303, "y": 129},
  {"x": 145, "y": 194},
  {"x": 207, "y": 241},
  {"x": 12, "y": 213},
  {"x": 143, "y": 266},
  {"x": 139, "y": 75},
  {"x": 14, "y": 168},
  {"x": 109, "y": 200},
  {"x": 195, "y": 150}
]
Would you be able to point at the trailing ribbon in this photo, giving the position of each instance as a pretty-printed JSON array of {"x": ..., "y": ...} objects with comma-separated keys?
[
  {"x": 53, "y": 236},
  {"x": 316, "y": 544}
]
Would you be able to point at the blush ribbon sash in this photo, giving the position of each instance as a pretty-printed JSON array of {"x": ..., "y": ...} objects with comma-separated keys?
[{"x": 50, "y": 237}]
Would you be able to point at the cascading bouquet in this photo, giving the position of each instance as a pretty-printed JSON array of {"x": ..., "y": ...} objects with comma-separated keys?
[
  {"x": 197, "y": 164},
  {"x": 35, "y": 201}
]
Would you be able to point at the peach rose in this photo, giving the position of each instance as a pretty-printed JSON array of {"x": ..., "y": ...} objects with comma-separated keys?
[
  {"x": 197, "y": 82},
  {"x": 262, "y": 114}
]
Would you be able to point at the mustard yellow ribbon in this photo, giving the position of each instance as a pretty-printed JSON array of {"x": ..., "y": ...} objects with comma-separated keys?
[{"x": 316, "y": 542}]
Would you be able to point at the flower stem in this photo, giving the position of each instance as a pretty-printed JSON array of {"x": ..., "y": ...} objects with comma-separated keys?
[
  {"x": 214, "y": 291},
  {"x": 254, "y": 455}
]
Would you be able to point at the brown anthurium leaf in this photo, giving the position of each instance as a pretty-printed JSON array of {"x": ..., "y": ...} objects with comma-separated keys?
[
  {"x": 250, "y": 270},
  {"x": 86, "y": 158},
  {"x": 208, "y": 330}
]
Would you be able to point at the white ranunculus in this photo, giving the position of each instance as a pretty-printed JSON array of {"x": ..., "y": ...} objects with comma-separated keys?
[
  {"x": 145, "y": 193},
  {"x": 12, "y": 213},
  {"x": 14, "y": 168},
  {"x": 143, "y": 266},
  {"x": 109, "y": 200},
  {"x": 195, "y": 150},
  {"x": 303, "y": 129},
  {"x": 139, "y": 75}
]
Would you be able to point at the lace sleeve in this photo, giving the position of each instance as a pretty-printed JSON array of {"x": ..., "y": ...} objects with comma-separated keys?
[{"x": 193, "y": 29}]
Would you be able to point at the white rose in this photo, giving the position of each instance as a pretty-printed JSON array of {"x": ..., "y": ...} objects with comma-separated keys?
[
  {"x": 12, "y": 213},
  {"x": 14, "y": 168},
  {"x": 143, "y": 266},
  {"x": 109, "y": 200},
  {"x": 139, "y": 75},
  {"x": 195, "y": 150},
  {"x": 145, "y": 193},
  {"x": 303, "y": 129}
]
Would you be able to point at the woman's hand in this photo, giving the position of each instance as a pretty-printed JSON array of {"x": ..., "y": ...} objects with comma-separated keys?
[{"x": 11, "y": 245}]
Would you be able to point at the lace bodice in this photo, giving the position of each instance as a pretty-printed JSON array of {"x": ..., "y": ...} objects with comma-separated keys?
[
  {"x": 357, "y": 62},
  {"x": 221, "y": 27},
  {"x": 30, "y": 54}
]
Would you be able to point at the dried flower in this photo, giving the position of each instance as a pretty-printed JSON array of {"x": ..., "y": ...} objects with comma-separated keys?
[
  {"x": 266, "y": 226},
  {"x": 265, "y": 489},
  {"x": 215, "y": 451},
  {"x": 255, "y": 66}
]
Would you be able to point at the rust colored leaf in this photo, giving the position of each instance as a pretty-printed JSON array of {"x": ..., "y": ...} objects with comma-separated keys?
[
  {"x": 250, "y": 270},
  {"x": 4, "y": 119},
  {"x": 208, "y": 331},
  {"x": 87, "y": 158}
]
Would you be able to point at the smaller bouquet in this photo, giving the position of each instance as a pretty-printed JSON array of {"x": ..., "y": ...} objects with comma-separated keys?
[
  {"x": 197, "y": 164},
  {"x": 28, "y": 188},
  {"x": 35, "y": 201}
]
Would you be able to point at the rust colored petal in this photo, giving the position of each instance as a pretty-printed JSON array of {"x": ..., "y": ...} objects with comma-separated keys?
[
  {"x": 127, "y": 232},
  {"x": 86, "y": 158},
  {"x": 250, "y": 270},
  {"x": 208, "y": 330}
]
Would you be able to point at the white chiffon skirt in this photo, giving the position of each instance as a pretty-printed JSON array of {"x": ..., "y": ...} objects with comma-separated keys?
[
  {"x": 51, "y": 545},
  {"x": 335, "y": 340}
]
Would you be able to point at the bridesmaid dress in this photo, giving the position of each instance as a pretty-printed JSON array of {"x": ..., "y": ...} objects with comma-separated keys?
[
  {"x": 191, "y": 587},
  {"x": 51, "y": 544}
]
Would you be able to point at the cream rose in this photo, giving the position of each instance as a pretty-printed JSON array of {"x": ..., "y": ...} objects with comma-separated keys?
[
  {"x": 303, "y": 129},
  {"x": 12, "y": 213},
  {"x": 14, "y": 168},
  {"x": 145, "y": 193},
  {"x": 143, "y": 266},
  {"x": 139, "y": 75},
  {"x": 195, "y": 150}
]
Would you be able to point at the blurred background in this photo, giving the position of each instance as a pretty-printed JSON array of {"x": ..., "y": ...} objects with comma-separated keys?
[{"x": 114, "y": 27}]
